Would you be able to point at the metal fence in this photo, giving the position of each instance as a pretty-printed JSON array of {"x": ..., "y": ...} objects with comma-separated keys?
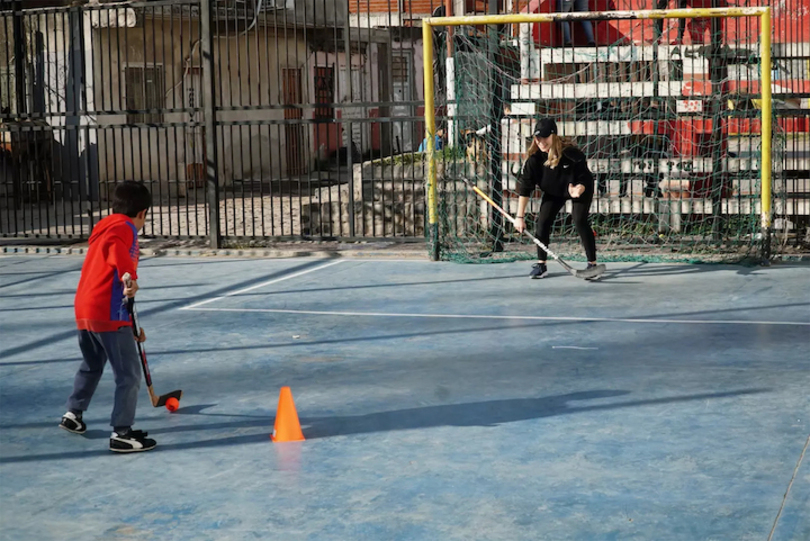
[{"x": 247, "y": 119}]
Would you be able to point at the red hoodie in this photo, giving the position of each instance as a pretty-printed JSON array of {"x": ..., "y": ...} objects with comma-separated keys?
[{"x": 113, "y": 252}]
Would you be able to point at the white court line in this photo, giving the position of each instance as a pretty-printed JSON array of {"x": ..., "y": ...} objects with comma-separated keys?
[
  {"x": 790, "y": 485},
  {"x": 570, "y": 347},
  {"x": 523, "y": 318},
  {"x": 251, "y": 288},
  {"x": 382, "y": 259}
]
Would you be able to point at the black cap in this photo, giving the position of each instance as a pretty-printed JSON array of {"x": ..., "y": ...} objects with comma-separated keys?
[{"x": 545, "y": 127}]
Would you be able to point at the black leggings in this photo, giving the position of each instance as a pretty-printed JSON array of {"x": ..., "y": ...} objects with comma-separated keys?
[{"x": 550, "y": 206}]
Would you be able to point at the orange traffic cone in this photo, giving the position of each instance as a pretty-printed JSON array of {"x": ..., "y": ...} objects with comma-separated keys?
[{"x": 287, "y": 427}]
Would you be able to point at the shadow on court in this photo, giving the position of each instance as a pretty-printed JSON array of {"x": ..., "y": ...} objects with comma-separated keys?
[
  {"x": 470, "y": 414},
  {"x": 58, "y": 337},
  {"x": 304, "y": 343}
]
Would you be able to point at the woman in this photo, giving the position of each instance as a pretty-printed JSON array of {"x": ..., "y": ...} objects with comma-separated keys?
[{"x": 561, "y": 172}]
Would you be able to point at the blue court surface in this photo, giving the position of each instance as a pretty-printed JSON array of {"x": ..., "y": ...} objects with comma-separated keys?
[{"x": 440, "y": 401}]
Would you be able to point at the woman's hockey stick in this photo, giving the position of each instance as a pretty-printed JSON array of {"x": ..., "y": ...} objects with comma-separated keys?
[
  {"x": 585, "y": 274},
  {"x": 157, "y": 401}
]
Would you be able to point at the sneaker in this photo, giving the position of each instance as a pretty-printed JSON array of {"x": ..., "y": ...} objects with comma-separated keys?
[
  {"x": 590, "y": 266},
  {"x": 73, "y": 423},
  {"x": 131, "y": 441},
  {"x": 539, "y": 270}
]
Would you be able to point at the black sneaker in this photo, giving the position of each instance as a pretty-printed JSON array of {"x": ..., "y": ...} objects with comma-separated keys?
[
  {"x": 131, "y": 441},
  {"x": 590, "y": 266},
  {"x": 73, "y": 423},
  {"x": 539, "y": 270}
]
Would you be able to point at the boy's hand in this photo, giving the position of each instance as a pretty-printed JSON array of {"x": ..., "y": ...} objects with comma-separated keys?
[
  {"x": 141, "y": 337},
  {"x": 130, "y": 287},
  {"x": 520, "y": 224}
]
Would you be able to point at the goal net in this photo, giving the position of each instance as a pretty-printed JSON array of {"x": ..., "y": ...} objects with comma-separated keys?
[{"x": 675, "y": 119}]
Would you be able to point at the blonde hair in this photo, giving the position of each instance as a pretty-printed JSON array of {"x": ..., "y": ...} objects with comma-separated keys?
[{"x": 555, "y": 150}]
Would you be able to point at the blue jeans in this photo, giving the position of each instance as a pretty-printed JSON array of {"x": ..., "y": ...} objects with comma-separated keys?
[
  {"x": 587, "y": 27},
  {"x": 119, "y": 348}
]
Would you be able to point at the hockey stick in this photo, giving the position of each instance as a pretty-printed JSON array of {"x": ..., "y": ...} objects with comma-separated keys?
[
  {"x": 157, "y": 401},
  {"x": 585, "y": 274}
]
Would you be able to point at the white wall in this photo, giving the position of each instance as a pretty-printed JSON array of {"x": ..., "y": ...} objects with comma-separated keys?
[{"x": 250, "y": 74}]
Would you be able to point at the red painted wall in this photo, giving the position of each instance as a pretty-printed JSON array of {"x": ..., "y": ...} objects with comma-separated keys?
[
  {"x": 791, "y": 22},
  {"x": 415, "y": 7}
]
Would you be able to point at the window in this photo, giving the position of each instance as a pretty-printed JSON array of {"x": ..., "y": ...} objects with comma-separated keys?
[
  {"x": 400, "y": 69},
  {"x": 324, "y": 93},
  {"x": 144, "y": 90}
]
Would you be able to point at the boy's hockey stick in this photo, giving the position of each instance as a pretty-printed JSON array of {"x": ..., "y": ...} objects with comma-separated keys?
[
  {"x": 585, "y": 274},
  {"x": 157, "y": 401}
]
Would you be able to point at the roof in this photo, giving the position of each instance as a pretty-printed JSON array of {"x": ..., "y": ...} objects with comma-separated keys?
[{"x": 277, "y": 13}]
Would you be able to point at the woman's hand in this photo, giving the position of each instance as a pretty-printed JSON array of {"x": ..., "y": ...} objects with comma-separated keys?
[
  {"x": 520, "y": 224},
  {"x": 576, "y": 190}
]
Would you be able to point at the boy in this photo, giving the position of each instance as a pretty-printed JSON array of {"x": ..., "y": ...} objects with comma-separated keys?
[{"x": 105, "y": 332}]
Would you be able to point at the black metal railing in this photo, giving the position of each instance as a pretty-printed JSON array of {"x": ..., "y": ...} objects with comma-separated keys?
[{"x": 248, "y": 119}]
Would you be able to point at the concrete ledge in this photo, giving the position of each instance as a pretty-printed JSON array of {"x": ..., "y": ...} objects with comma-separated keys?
[{"x": 413, "y": 251}]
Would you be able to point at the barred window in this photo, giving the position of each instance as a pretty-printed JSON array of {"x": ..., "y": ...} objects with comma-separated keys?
[
  {"x": 144, "y": 90},
  {"x": 324, "y": 93}
]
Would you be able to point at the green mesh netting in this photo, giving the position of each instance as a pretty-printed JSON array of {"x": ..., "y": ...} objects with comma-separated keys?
[{"x": 671, "y": 132}]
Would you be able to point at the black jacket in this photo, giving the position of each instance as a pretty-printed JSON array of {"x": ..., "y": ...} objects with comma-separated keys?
[{"x": 572, "y": 169}]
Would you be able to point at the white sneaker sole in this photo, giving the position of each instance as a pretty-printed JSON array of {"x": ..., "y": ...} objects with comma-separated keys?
[
  {"x": 141, "y": 450},
  {"x": 130, "y": 445}
]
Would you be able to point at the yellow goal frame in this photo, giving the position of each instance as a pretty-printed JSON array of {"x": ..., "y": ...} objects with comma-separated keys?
[{"x": 764, "y": 14}]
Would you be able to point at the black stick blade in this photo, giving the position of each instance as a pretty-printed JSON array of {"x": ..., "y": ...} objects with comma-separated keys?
[
  {"x": 593, "y": 272},
  {"x": 161, "y": 401}
]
